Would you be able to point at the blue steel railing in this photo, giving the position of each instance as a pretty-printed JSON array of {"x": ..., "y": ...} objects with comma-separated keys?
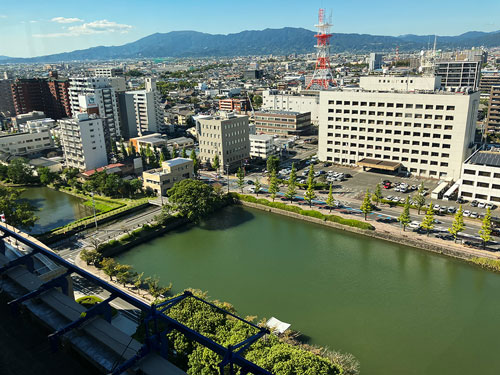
[{"x": 156, "y": 340}]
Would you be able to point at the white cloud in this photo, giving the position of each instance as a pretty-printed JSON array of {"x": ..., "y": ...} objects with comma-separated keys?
[
  {"x": 89, "y": 28},
  {"x": 3, "y": 16},
  {"x": 66, "y": 20}
]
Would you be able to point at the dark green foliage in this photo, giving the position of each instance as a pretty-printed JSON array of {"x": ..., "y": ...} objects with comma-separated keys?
[
  {"x": 273, "y": 164},
  {"x": 20, "y": 172},
  {"x": 18, "y": 213},
  {"x": 192, "y": 198}
]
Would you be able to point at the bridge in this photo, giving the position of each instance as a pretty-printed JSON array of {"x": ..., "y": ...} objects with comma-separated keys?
[{"x": 38, "y": 281}]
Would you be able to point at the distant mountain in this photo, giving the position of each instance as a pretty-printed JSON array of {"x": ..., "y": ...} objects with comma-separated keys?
[
  {"x": 269, "y": 41},
  {"x": 2, "y": 57}
]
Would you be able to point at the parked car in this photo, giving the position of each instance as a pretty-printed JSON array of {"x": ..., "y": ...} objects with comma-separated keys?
[
  {"x": 474, "y": 203},
  {"x": 414, "y": 225},
  {"x": 466, "y": 213},
  {"x": 490, "y": 206},
  {"x": 452, "y": 210},
  {"x": 436, "y": 207},
  {"x": 474, "y": 215},
  {"x": 481, "y": 205},
  {"x": 460, "y": 200}
]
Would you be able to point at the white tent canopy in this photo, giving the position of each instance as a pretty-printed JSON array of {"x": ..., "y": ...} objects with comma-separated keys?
[{"x": 276, "y": 325}]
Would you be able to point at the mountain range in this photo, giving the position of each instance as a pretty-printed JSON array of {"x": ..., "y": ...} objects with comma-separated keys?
[{"x": 263, "y": 42}]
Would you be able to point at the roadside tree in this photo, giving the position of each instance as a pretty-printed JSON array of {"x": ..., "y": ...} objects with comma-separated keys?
[
  {"x": 46, "y": 176},
  {"x": 329, "y": 200},
  {"x": 419, "y": 198},
  {"x": 292, "y": 184},
  {"x": 257, "y": 186},
  {"x": 377, "y": 195},
  {"x": 183, "y": 153},
  {"x": 273, "y": 185},
  {"x": 458, "y": 224},
  {"x": 196, "y": 163},
  {"x": 485, "y": 231},
  {"x": 241, "y": 179},
  {"x": 273, "y": 163},
  {"x": 216, "y": 163},
  {"x": 109, "y": 267},
  {"x": 310, "y": 194},
  {"x": 428, "y": 222},
  {"x": 404, "y": 219},
  {"x": 91, "y": 257},
  {"x": 366, "y": 206}
]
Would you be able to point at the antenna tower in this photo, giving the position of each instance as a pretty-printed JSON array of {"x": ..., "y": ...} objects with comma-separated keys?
[{"x": 322, "y": 78}]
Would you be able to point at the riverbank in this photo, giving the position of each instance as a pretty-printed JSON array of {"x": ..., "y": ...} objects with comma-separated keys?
[{"x": 388, "y": 233}]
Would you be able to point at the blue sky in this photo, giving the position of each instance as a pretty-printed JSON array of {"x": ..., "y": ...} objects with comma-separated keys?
[{"x": 35, "y": 27}]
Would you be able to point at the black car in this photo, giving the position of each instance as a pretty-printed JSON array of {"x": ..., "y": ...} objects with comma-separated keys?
[
  {"x": 347, "y": 175},
  {"x": 474, "y": 203}
]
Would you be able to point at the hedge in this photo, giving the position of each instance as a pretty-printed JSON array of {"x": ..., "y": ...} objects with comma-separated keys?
[{"x": 311, "y": 213}]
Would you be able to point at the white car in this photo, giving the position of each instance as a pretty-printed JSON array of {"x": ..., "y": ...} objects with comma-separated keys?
[
  {"x": 436, "y": 207},
  {"x": 466, "y": 213},
  {"x": 481, "y": 205},
  {"x": 414, "y": 225},
  {"x": 474, "y": 215}
]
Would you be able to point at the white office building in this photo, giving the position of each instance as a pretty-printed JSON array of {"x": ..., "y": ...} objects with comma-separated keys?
[
  {"x": 108, "y": 71},
  {"x": 262, "y": 146},
  {"x": 83, "y": 142},
  {"x": 31, "y": 141},
  {"x": 275, "y": 100},
  {"x": 428, "y": 133},
  {"x": 481, "y": 177}
]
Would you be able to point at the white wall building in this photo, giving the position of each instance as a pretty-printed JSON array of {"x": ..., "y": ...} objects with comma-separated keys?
[
  {"x": 430, "y": 134},
  {"x": 83, "y": 142},
  {"x": 286, "y": 101},
  {"x": 262, "y": 146},
  {"x": 481, "y": 177},
  {"x": 32, "y": 141}
]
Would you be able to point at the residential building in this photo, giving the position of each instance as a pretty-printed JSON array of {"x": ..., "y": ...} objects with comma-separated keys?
[
  {"x": 262, "y": 146},
  {"x": 427, "y": 134},
  {"x": 459, "y": 75},
  {"x": 481, "y": 177},
  {"x": 489, "y": 80},
  {"x": 225, "y": 135},
  {"x": 19, "y": 120},
  {"x": 6, "y": 102},
  {"x": 108, "y": 72},
  {"x": 237, "y": 105},
  {"x": 375, "y": 61},
  {"x": 171, "y": 171},
  {"x": 148, "y": 141},
  {"x": 275, "y": 100},
  {"x": 83, "y": 142},
  {"x": 26, "y": 143},
  {"x": 282, "y": 123},
  {"x": 493, "y": 119},
  {"x": 253, "y": 74}
]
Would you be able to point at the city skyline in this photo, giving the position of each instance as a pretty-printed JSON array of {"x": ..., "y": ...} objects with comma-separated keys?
[{"x": 36, "y": 30}]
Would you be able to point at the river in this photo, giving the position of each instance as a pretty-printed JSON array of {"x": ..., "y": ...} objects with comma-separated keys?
[
  {"x": 55, "y": 208},
  {"x": 399, "y": 310}
]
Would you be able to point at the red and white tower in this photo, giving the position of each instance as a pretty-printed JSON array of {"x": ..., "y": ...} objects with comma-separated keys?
[{"x": 322, "y": 78}]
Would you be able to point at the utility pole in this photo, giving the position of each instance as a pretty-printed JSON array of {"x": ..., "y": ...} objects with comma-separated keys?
[{"x": 93, "y": 206}]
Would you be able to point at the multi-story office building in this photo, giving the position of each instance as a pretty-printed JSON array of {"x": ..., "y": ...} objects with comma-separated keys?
[
  {"x": 20, "y": 120},
  {"x": 493, "y": 120},
  {"x": 171, "y": 171},
  {"x": 488, "y": 81},
  {"x": 32, "y": 141},
  {"x": 481, "y": 177},
  {"x": 275, "y": 100},
  {"x": 98, "y": 94},
  {"x": 225, "y": 135},
  {"x": 108, "y": 72},
  {"x": 282, "y": 123},
  {"x": 83, "y": 142},
  {"x": 375, "y": 61},
  {"x": 237, "y": 105},
  {"x": 428, "y": 134},
  {"x": 6, "y": 103},
  {"x": 262, "y": 146},
  {"x": 459, "y": 75}
]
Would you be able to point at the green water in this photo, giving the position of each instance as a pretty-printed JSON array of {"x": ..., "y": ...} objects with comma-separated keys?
[
  {"x": 55, "y": 208},
  {"x": 397, "y": 309}
]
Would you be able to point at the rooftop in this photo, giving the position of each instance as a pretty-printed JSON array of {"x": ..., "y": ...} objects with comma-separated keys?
[
  {"x": 488, "y": 158},
  {"x": 177, "y": 161}
]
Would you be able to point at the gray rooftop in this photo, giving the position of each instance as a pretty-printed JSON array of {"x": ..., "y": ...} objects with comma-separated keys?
[
  {"x": 491, "y": 159},
  {"x": 177, "y": 161}
]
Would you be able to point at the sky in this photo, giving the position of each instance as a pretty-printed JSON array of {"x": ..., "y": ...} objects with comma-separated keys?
[{"x": 31, "y": 28}]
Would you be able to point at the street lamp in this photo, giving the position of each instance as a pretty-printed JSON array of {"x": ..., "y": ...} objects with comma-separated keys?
[{"x": 93, "y": 206}]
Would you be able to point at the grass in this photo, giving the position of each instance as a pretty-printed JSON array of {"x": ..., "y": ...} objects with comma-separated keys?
[
  {"x": 89, "y": 301},
  {"x": 491, "y": 264},
  {"x": 311, "y": 213}
]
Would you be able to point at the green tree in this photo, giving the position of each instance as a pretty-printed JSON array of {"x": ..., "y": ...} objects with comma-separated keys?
[
  {"x": 458, "y": 224},
  {"x": 183, "y": 153},
  {"x": 273, "y": 185},
  {"x": 196, "y": 162},
  {"x": 428, "y": 222},
  {"x": 139, "y": 279},
  {"x": 273, "y": 164},
  {"x": 124, "y": 274},
  {"x": 109, "y": 267},
  {"x": 257, "y": 186},
  {"x": 192, "y": 198},
  {"x": 114, "y": 149},
  {"x": 404, "y": 219},
  {"x": 366, "y": 206},
  {"x": 165, "y": 153},
  {"x": 123, "y": 150},
  {"x": 3, "y": 172},
  {"x": 18, "y": 213},
  {"x": 485, "y": 231},
  {"x": 377, "y": 195},
  {"x": 419, "y": 198},
  {"x": 330, "y": 202},
  {"x": 292, "y": 184},
  {"x": 241, "y": 179},
  {"x": 216, "y": 163},
  {"x": 91, "y": 256},
  {"x": 310, "y": 195},
  {"x": 19, "y": 172},
  {"x": 155, "y": 289},
  {"x": 46, "y": 176}
]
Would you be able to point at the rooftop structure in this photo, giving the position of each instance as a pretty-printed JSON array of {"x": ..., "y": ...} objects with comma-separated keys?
[
  {"x": 171, "y": 171},
  {"x": 282, "y": 123}
]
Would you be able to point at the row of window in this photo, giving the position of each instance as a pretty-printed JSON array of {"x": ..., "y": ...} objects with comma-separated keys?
[
  {"x": 388, "y": 157},
  {"x": 426, "y": 116},
  {"x": 438, "y": 107},
  {"x": 481, "y": 173},
  {"x": 482, "y": 184},
  {"x": 389, "y": 149},
  {"x": 387, "y": 131},
  {"x": 479, "y": 196},
  {"x": 387, "y": 122},
  {"x": 389, "y": 140}
]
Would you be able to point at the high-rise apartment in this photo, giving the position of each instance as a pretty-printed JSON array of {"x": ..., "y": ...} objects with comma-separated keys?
[
  {"x": 458, "y": 75},
  {"x": 375, "y": 61},
  {"x": 493, "y": 120},
  {"x": 83, "y": 142},
  {"x": 225, "y": 135},
  {"x": 428, "y": 133},
  {"x": 6, "y": 103}
]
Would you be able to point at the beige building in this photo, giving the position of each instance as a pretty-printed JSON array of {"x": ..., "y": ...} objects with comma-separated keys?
[
  {"x": 226, "y": 135},
  {"x": 430, "y": 134},
  {"x": 275, "y": 100},
  {"x": 282, "y": 123},
  {"x": 481, "y": 177},
  {"x": 493, "y": 120},
  {"x": 30, "y": 142},
  {"x": 172, "y": 171}
]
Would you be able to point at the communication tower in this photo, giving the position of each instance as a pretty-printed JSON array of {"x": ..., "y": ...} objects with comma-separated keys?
[{"x": 322, "y": 78}]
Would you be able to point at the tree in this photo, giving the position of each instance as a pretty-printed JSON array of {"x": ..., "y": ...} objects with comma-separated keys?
[
  {"x": 485, "y": 231},
  {"x": 273, "y": 185},
  {"x": 109, "y": 267},
  {"x": 155, "y": 289},
  {"x": 310, "y": 194},
  {"x": 329, "y": 200},
  {"x": 124, "y": 274},
  {"x": 114, "y": 150},
  {"x": 419, "y": 198},
  {"x": 377, "y": 195},
  {"x": 196, "y": 162},
  {"x": 292, "y": 184},
  {"x": 458, "y": 223},
  {"x": 123, "y": 150},
  {"x": 257, "y": 186},
  {"x": 366, "y": 206},
  {"x": 46, "y": 176},
  {"x": 18, "y": 213},
  {"x": 192, "y": 198},
  {"x": 91, "y": 256},
  {"x": 241, "y": 179},
  {"x": 19, "y": 172},
  {"x": 428, "y": 222},
  {"x": 184, "y": 153},
  {"x": 138, "y": 280},
  {"x": 273, "y": 164},
  {"x": 3, "y": 172},
  {"x": 404, "y": 219},
  {"x": 165, "y": 153},
  {"x": 216, "y": 163}
]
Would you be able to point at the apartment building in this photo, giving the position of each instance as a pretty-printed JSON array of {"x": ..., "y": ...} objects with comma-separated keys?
[
  {"x": 148, "y": 141},
  {"x": 237, "y": 105},
  {"x": 171, "y": 171},
  {"x": 262, "y": 146},
  {"x": 282, "y": 123},
  {"x": 32, "y": 141},
  {"x": 108, "y": 72},
  {"x": 225, "y": 135},
  {"x": 488, "y": 81},
  {"x": 6, "y": 103},
  {"x": 481, "y": 177},
  {"x": 19, "y": 120},
  {"x": 375, "y": 61},
  {"x": 493, "y": 119},
  {"x": 428, "y": 134},
  {"x": 458, "y": 75},
  {"x": 83, "y": 142},
  {"x": 274, "y": 100}
]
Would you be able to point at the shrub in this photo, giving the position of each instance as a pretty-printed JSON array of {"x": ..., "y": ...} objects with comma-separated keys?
[{"x": 491, "y": 264}]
